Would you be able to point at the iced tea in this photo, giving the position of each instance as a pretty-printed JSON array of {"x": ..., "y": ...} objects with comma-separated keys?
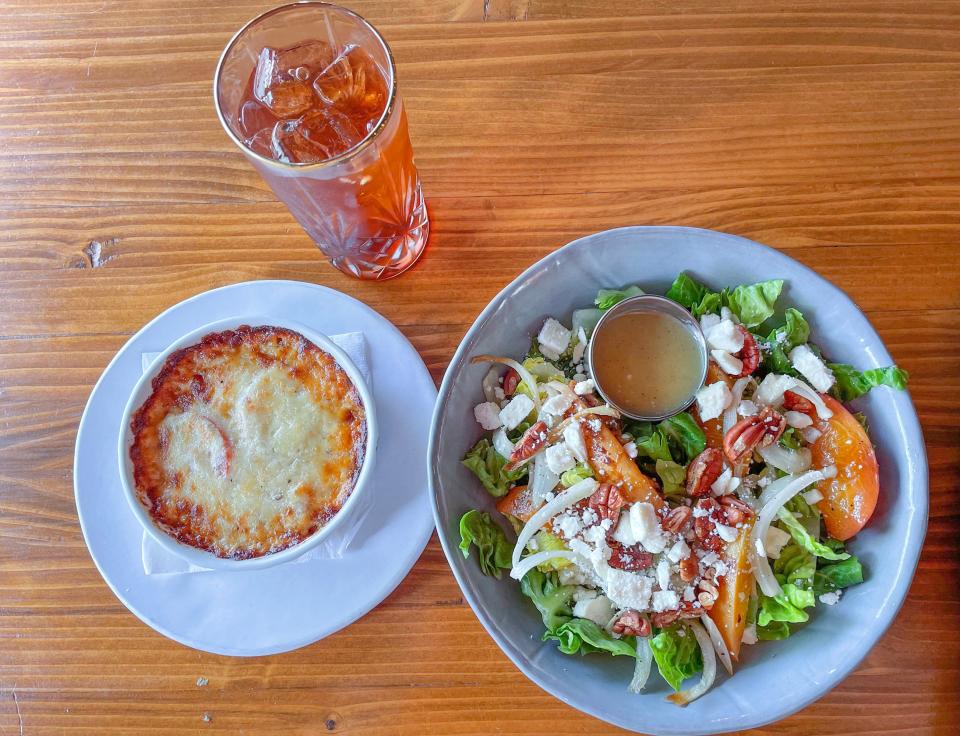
[{"x": 319, "y": 117}]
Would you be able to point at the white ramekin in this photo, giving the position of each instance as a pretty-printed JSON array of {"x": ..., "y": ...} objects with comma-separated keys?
[{"x": 144, "y": 388}]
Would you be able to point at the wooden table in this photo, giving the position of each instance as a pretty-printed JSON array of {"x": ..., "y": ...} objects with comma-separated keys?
[{"x": 830, "y": 130}]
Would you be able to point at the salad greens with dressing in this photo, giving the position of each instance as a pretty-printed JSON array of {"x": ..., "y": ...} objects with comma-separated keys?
[{"x": 677, "y": 542}]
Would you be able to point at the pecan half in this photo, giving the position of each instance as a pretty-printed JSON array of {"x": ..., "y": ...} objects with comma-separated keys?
[
  {"x": 677, "y": 519},
  {"x": 689, "y": 568},
  {"x": 511, "y": 379},
  {"x": 530, "y": 443},
  {"x": 631, "y": 623},
  {"x": 749, "y": 433},
  {"x": 749, "y": 354},
  {"x": 630, "y": 559},
  {"x": 704, "y": 527},
  {"x": 664, "y": 618},
  {"x": 704, "y": 470},
  {"x": 734, "y": 510},
  {"x": 795, "y": 402},
  {"x": 606, "y": 502}
]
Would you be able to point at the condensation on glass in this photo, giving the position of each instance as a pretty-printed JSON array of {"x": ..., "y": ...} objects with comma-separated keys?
[{"x": 308, "y": 91}]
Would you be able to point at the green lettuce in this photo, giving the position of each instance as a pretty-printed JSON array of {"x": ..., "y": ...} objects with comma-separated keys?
[
  {"x": 773, "y": 631},
  {"x": 550, "y": 598},
  {"x": 488, "y": 465},
  {"x": 794, "y": 331},
  {"x": 685, "y": 438},
  {"x": 786, "y": 607},
  {"x": 790, "y": 439},
  {"x": 852, "y": 383},
  {"x": 672, "y": 477},
  {"x": 494, "y": 550},
  {"x": 694, "y": 296},
  {"x": 547, "y": 542},
  {"x": 837, "y": 575},
  {"x": 677, "y": 656},
  {"x": 754, "y": 303},
  {"x": 606, "y": 298},
  {"x": 655, "y": 446},
  {"x": 577, "y": 473},
  {"x": 805, "y": 539},
  {"x": 586, "y": 637}
]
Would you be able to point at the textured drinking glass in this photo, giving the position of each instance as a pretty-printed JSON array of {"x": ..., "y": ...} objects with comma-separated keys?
[{"x": 309, "y": 93}]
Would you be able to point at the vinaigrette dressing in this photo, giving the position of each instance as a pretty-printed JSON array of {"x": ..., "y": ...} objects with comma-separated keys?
[{"x": 647, "y": 363}]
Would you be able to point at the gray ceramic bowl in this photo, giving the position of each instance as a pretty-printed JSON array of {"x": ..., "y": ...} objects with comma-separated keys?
[{"x": 775, "y": 678}]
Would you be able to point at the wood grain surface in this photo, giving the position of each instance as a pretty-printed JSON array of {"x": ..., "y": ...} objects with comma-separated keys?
[{"x": 830, "y": 130}]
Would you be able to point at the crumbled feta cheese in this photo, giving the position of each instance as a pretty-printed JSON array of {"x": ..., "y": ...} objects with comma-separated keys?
[
  {"x": 553, "y": 338},
  {"x": 488, "y": 415},
  {"x": 580, "y": 375},
  {"x": 679, "y": 551},
  {"x": 726, "y": 533},
  {"x": 665, "y": 600},
  {"x": 812, "y": 496},
  {"x": 516, "y": 411},
  {"x": 811, "y": 434},
  {"x": 627, "y": 589},
  {"x": 559, "y": 458},
  {"x": 725, "y": 336},
  {"x": 749, "y": 634},
  {"x": 568, "y": 525},
  {"x": 643, "y": 520},
  {"x": 699, "y": 512},
  {"x": 747, "y": 408},
  {"x": 832, "y": 598},
  {"x": 558, "y": 403},
  {"x": 498, "y": 393},
  {"x": 663, "y": 573},
  {"x": 709, "y": 559},
  {"x": 771, "y": 388},
  {"x": 624, "y": 531},
  {"x": 501, "y": 443},
  {"x": 708, "y": 322},
  {"x": 584, "y": 387},
  {"x": 655, "y": 543},
  {"x": 598, "y": 609},
  {"x": 689, "y": 594},
  {"x": 574, "y": 439},
  {"x": 811, "y": 367},
  {"x": 712, "y": 400},
  {"x": 572, "y": 575},
  {"x": 729, "y": 364},
  {"x": 774, "y": 541},
  {"x": 725, "y": 483},
  {"x": 727, "y": 313},
  {"x": 589, "y": 516},
  {"x": 631, "y": 449}
]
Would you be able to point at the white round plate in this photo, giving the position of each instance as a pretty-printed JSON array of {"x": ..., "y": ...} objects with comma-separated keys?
[{"x": 281, "y": 608}]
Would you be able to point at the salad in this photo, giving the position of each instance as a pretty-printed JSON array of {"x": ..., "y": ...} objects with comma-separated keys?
[{"x": 677, "y": 542}]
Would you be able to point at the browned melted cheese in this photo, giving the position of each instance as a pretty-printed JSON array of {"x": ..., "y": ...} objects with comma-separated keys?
[{"x": 250, "y": 442}]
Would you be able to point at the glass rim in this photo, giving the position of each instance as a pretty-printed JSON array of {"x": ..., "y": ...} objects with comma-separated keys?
[{"x": 351, "y": 152}]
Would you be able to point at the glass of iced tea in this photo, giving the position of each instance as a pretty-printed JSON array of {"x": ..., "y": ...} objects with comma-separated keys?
[{"x": 309, "y": 93}]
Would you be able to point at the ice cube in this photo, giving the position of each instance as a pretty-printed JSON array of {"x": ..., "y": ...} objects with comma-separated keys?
[
  {"x": 352, "y": 79},
  {"x": 316, "y": 136},
  {"x": 255, "y": 118},
  {"x": 282, "y": 78}
]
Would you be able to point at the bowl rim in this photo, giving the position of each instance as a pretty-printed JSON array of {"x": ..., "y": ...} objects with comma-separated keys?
[
  {"x": 142, "y": 389},
  {"x": 899, "y": 583}
]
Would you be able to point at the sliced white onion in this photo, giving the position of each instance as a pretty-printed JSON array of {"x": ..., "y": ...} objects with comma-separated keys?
[
  {"x": 730, "y": 415},
  {"x": 709, "y": 669},
  {"x": 524, "y": 374},
  {"x": 545, "y": 370},
  {"x": 812, "y": 496},
  {"x": 491, "y": 381},
  {"x": 772, "y": 499},
  {"x": 719, "y": 645},
  {"x": 576, "y": 492},
  {"x": 542, "y": 479},
  {"x": 785, "y": 459},
  {"x": 502, "y": 443},
  {"x": 802, "y": 389},
  {"x": 641, "y": 672},
  {"x": 531, "y": 561}
]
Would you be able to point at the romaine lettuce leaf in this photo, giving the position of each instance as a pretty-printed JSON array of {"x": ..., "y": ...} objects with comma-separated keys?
[
  {"x": 606, "y": 298},
  {"x": 754, "y": 303},
  {"x": 786, "y": 607},
  {"x": 794, "y": 331},
  {"x": 584, "y": 636},
  {"x": 694, "y": 296},
  {"x": 550, "y": 598},
  {"x": 806, "y": 540},
  {"x": 852, "y": 383},
  {"x": 547, "y": 542},
  {"x": 773, "y": 631},
  {"x": 488, "y": 465},
  {"x": 790, "y": 439},
  {"x": 686, "y": 439},
  {"x": 837, "y": 575},
  {"x": 672, "y": 477},
  {"x": 577, "y": 473},
  {"x": 655, "y": 446},
  {"x": 677, "y": 656},
  {"x": 494, "y": 550}
]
